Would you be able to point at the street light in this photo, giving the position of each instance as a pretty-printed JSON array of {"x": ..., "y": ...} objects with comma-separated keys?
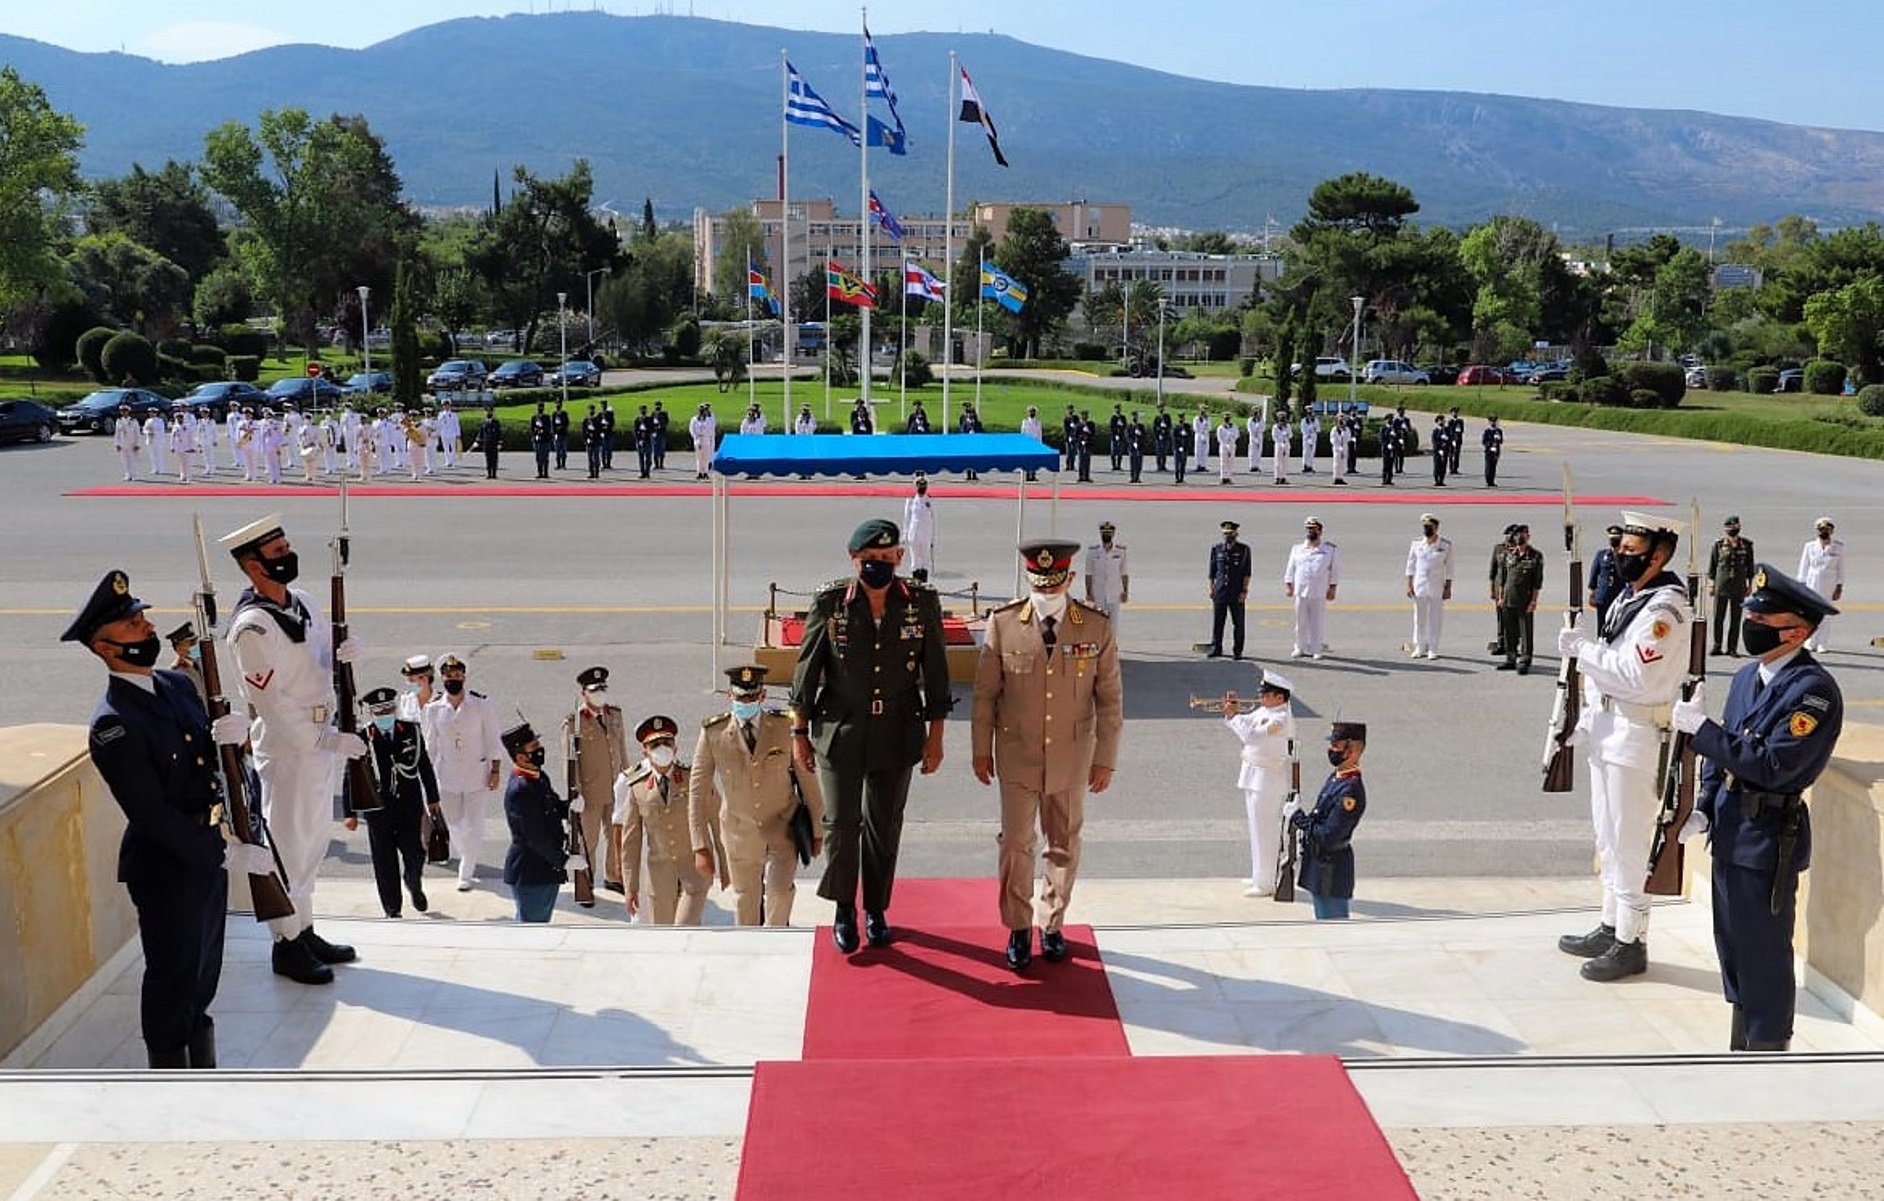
[
  {"x": 588, "y": 277},
  {"x": 562, "y": 327},
  {"x": 1354, "y": 368},
  {"x": 1160, "y": 366},
  {"x": 366, "y": 346}
]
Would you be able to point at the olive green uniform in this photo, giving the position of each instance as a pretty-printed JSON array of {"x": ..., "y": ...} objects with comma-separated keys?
[
  {"x": 1730, "y": 571},
  {"x": 1520, "y": 577}
]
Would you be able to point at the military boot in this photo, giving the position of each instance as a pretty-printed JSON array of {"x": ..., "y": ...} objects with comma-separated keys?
[
  {"x": 1620, "y": 960},
  {"x": 327, "y": 952},
  {"x": 293, "y": 959},
  {"x": 1588, "y": 946}
]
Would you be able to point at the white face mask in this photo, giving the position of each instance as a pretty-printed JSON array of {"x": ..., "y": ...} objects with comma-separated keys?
[
  {"x": 1049, "y": 604},
  {"x": 661, "y": 756}
]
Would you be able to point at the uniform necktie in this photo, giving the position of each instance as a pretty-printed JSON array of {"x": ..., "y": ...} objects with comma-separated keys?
[
  {"x": 752, "y": 739},
  {"x": 663, "y": 790},
  {"x": 1046, "y": 631}
]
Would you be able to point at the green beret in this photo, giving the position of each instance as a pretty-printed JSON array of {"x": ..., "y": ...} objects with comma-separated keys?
[{"x": 874, "y": 534}]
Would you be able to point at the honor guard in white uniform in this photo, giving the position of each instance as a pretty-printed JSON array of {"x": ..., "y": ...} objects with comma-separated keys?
[
  {"x": 1267, "y": 733},
  {"x": 745, "y": 788},
  {"x": 706, "y": 432},
  {"x": 1108, "y": 575},
  {"x": 919, "y": 531},
  {"x": 651, "y": 808},
  {"x": 266, "y": 445},
  {"x": 1310, "y": 579},
  {"x": 157, "y": 443},
  {"x": 805, "y": 423},
  {"x": 1429, "y": 563},
  {"x": 1822, "y": 569},
  {"x": 1255, "y": 426},
  {"x": 183, "y": 444},
  {"x": 754, "y": 420},
  {"x": 205, "y": 443},
  {"x": 1200, "y": 438},
  {"x": 1311, "y": 434},
  {"x": 1227, "y": 434},
  {"x": 466, "y": 745},
  {"x": 233, "y": 424},
  {"x": 1632, "y": 674},
  {"x": 1280, "y": 436},
  {"x": 1338, "y": 439},
  {"x": 283, "y": 649},
  {"x": 330, "y": 445},
  {"x": 450, "y": 432},
  {"x": 127, "y": 438},
  {"x": 350, "y": 435},
  {"x": 601, "y": 757}
]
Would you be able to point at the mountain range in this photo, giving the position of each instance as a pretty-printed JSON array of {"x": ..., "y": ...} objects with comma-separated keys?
[{"x": 687, "y": 111}]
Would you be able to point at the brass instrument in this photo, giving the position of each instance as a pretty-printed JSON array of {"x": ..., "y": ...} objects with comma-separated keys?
[
  {"x": 415, "y": 433},
  {"x": 1215, "y": 703}
]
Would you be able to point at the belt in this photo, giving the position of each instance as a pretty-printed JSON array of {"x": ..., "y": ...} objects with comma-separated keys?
[
  {"x": 1657, "y": 715},
  {"x": 1267, "y": 762}
]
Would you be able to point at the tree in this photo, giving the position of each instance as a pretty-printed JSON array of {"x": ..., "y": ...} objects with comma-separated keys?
[
  {"x": 1849, "y": 324},
  {"x": 38, "y": 169},
  {"x": 641, "y": 300},
  {"x": 1209, "y": 241},
  {"x": 649, "y": 230},
  {"x": 742, "y": 247},
  {"x": 167, "y": 211},
  {"x": 542, "y": 242},
  {"x": 133, "y": 283},
  {"x": 1506, "y": 258},
  {"x": 223, "y": 297},
  {"x": 725, "y": 351},
  {"x": 1357, "y": 203},
  {"x": 1675, "y": 313},
  {"x": 403, "y": 321},
  {"x": 1034, "y": 253}
]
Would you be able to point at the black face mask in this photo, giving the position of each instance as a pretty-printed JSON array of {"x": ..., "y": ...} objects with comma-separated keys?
[
  {"x": 454, "y": 687},
  {"x": 876, "y": 573},
  {"x": 1229, "y": 539},
  {"x": 1429, "y": 530},
  {"x": 537, "y": 757},
  {"x": 285, "y": 570},
  {"x": 1614, "y": 543},
  {"x": 1631, "y": 566},
  {"x": 139, "y": 654},
  {"x": 1336, "y": 758},
  {"x": 1760, "y": 639}
]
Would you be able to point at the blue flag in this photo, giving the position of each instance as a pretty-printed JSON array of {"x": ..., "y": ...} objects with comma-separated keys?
[
  {"x": 884, "y": 217},
  {"x": 805, "y": 107},
  {"x": 892, "y": 140},
  {"x": 999, "y": 286}
]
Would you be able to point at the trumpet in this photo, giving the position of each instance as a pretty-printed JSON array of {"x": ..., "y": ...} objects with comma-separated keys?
[{"x": 1215, "y": 703}]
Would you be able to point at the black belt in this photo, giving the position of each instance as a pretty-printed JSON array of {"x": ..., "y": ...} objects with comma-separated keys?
[{"x": 1755, "y": 801}]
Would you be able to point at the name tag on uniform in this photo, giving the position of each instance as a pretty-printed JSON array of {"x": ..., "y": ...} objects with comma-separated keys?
[{"x": 1017, "y": 663}]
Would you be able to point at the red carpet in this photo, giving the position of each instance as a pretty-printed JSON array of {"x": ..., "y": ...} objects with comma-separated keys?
[{"x": 1237, "y": 1126}]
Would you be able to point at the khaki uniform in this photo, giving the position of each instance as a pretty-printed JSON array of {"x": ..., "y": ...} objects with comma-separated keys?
[
  {"x": 752, "y": 806},
  {"x": 676, "y": 892},
  {"x": 1047, "y": 717},
  {"x": 601, "y": 756}
]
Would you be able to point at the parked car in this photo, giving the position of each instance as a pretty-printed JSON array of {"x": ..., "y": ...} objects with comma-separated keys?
[
  {"x": 1480, "y": 373},
  {"x": 517, "y": 373},
  {"x": 457, "y": 375},
  {"x": 98, "y": 411},
  {"x": 26, "y": 421},
  {"x": 220, "y": 396},
  {"x": 304, "y": 393},
  {"x": 366, "y": 383},
  {"x": 1695, "y": 377},
  {"x": 1438, "y": 373},
  {"x": 1792, "y": 379},
  {"x": 1548, "y": 373},
  {"x": 1393, "y": 371},
  {"x": 577, "y": 373},
  {"x": 1326, "y": 367}
]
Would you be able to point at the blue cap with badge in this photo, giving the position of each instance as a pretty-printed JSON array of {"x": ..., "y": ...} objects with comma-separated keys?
[
  {"x": 1776, "y": 592},
  {"x": 110, "y": 601}
]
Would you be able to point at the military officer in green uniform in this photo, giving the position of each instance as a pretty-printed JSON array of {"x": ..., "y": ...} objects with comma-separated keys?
[
  {"x": 1520, "y": 577},
  {"x": 1730, "y": 572},
  {"x": 872, "y": 673},
  {"x": 1497, "y": 645}
]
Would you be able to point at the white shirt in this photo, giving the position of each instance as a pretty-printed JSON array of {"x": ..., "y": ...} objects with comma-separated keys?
[
  {"x": 919, "y": 520},
  {"x": 1226, "y": 438},
  {"x": 127, "y": 434},
  {"x": 1280, "y": 435},
  {"x": 1106, "y": 572},
  {"x": 1031, "y": 427},
  {"x": 753, "y": 425},
  {"x": 1265, "y": 734},
  {"x": 1822, "y": 566},
  {"x": 1314, "y": 567},
  {"x": 704, "y": 431},
  {"x": 1429, "y": 566},
  {"x": 806, "y": 424},
  {"x": 462, "y": 740},
  {"x": 1643, "y": 666},
  {"x": 287, "y": 684}
]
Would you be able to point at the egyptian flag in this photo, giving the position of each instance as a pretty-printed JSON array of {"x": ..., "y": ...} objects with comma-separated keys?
[{"x": 975, "y": 113}]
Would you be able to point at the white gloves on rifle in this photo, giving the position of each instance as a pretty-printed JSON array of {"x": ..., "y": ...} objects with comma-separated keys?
[
  {"x": 348, "y": 651},
  {"x": 1291, "y": 808},
  {"x": 247, "y": 859},
  {"x": 231, "y": 729},
  {"x": 1570, "y": 641},
  {"x": 347, "y": 746},
  {"x": 577, "y": 804},
  {"x": 1691, "y": 714},
  {"x": 1696, "y": 824},
  {"x": 578, "y": 863}
]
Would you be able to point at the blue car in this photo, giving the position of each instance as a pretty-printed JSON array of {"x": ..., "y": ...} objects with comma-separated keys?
[{"x": 577, "y": 373}]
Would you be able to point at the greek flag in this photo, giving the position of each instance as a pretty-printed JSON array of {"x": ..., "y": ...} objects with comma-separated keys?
[
  {"x": 877, "y": 81},
  {"x": 805, "y": 107}
]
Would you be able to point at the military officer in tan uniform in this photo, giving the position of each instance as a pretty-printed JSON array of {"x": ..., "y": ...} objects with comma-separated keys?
[
  {"x": 601, "y": 756},
  {"x": 651, "y": 807},
  {"x": 1047, "y": 718},
  {"x": 747, "y": 753}
]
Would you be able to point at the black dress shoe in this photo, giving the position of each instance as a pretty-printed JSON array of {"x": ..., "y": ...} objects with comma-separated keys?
[
  {"x": 615, "y": 886},
  {"x": 1052, "y": 945},
  {"x": 179, "y": 1058},
  {"x": 1524, "y": 669},
  {"x": 844, "y": 929},
  {"x": 393, "y": 913},
  {"x": 1737, "y": 1032},
  {"x": 1507, "y": 665},
  {"x": 1768, "y": 1044},
  {"x": 876, "y": 928},
  {"x": 1588, "y": 946},
  {"x": 418, "y": 900},
  {"x": 291, "y": 958},
  {"x": 1020, "y": 949},
  {"x": 327, "y": 952},
  {"x": 203, "y": 1046},
  {"x": 1620, "y": 960}
]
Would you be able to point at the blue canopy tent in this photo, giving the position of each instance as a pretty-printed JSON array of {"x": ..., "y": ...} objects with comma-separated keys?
[{"x": 756, "y": 455}]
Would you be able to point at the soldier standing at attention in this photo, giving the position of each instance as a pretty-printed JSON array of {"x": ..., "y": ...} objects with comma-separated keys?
[
  {"x": 969, "y": 423},
  {"x": 919, "y": 531},
  {"x": 1311, "y": 434},
  {"x": 1049, "y": 664},
  {"x": 1499, "y": 550},
  {"x": 1632, "y": 674},
  {"x": 1030, "y": 426},
  {"x": 1822, "y": 569},
  {"x": 918, "y": 422},
  {"x": 559, "y": 424},
  {"x": 127, "y": 438},
  {"x": 1161, "y": 437},
  {"x": 1782, "y": 721},
  {"x": 1135, "y": 448},
  {"x": 1228, "y": 589},
  {"x": 592, "y": 434},
  {"x": 1115, "y": 435},
  {"x": 1108, "y": 576},
  {"x": 541, "y": 439},
  {"x": 155, "y": 747},
  {"x": 1455, "y": 439},
  {"x": 1605, "y": 583},
  {"x": 1255, "y": 425},
  {"x": 860, "y": 419},
  {"x": 1279, "y": 437},
  {"x": 1389, "y": 449},
  {"x": 660, "y": 419},
  {"x": 1339, "y": 444},
  {"x": 1493, "y": 442},
  {"x": 536, "y": 863},
  {"x": 805, "y": 423},
  {"x": 1442, "y": 450},
  {"x": 1180, "y": 452},
  {"x": 491, "y": 439},
  {"x": 747, "y": 753},
  {"x": 1520, "y": 578},
  {"x": 1327, "y": 830},
  {"x": 872, "y": 672},
  {"x": 754, "y": 420},
  {"x": 1356, "y": 426},
  {"x": 1200, "y": 437},
  {"x": 1088, "y": 434},
  {"x": 1730, "y": 571},
  {"x": 1226, "y": 450},
  {"x": 705, "y": 431},
  {"x": 608, "y": 436},
  {"x": 1267, "y": 733},
  {"x": 601, "y": 756},
  {"x": 1428, "y": 585},
  {"x": 408, "y": 788},
  {"x": 651, "y": 804},
  {"x": 1404, "y": 427},
  {"x": 1310, "y": 579},
  {"x": 1069, "y": 437}
]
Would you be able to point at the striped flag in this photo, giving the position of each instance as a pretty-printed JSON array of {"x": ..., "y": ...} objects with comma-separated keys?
[
  {"x": 999, "y": 286},
  {"x": 917, "y": 281},
  {"x": 758, "y": 289},
  {"x": 975, "y": 113},
  {"x": 805, "y": 107},
  {"x": 885, "y": 218},
  {"x": 877, "y": 82},
  {"x": 840, "y": 284}
]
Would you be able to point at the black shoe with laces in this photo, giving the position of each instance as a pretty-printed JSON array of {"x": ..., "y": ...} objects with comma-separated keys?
[{"x": 327, "y": 952}]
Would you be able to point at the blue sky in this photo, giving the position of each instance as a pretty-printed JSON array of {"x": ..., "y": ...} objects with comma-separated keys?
[{"x": 1803, "y": 62}]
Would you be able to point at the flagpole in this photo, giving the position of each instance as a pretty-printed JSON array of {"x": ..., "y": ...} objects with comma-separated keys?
[
  {"x": 863, "y": 211},
  {"x": 948, "y": 249},
  {"x": 902, "y": 354},
  {"x": 752, "y": 381},
  {"x": 830, "y": 347},
  {"x": 785, "y": 228},
  {"x": 980, "y": 275}
]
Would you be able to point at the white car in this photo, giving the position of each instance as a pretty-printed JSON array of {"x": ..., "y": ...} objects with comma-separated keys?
[
  {"x": 1326, "y": 367},
  {"x": 1393, "y": 371}
]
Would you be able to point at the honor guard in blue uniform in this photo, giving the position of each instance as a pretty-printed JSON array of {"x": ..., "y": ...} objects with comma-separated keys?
[
  {"x": 1782, "y": 720},
  {"x": 1161, "y": 437},
  {"x": 1455, "y": 439},
  {"x": 1327, "y": 830},
  {"x": 1228, "y": 589},
  {"x": 152, "y": 742},
  {"x": 1493, "y": 441},
  {"x": 1605, "y": 582}
]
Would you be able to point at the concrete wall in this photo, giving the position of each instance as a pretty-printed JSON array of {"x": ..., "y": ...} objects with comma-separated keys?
[
  {"x": 62, "y": 912},
  {"x": 1841, "y": 904}
]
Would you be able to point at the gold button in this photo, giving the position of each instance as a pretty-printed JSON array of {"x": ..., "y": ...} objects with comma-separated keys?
[{"x": 1048, "y": 740}]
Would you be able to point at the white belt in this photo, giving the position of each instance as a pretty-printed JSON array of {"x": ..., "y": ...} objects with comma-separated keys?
[
  {"x": 1266, "y": 762},
  {"x": 1657, "y": 715}
]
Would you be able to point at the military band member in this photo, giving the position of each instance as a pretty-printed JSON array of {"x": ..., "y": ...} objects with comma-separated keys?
[
  {"x": 463, "y": 738},
  {"x": 1604, "y": 584},
  {"x": 536, "y": 863},
  {"x": 919, "y": 531},
  {"x": 872, "y": 673},
  {"x": 601, "y": 756},
  {"x": 154, "y": 745},
  {"x": 1632, "y": 672},
  {"x": 1267, "y": 733},
  {"x": 1428, "y": 585},
  {"x": 1781, "y": 724},
  {"x": 1310, "y": 579},
  {"x": 408, "y": 790},
  {"x": 1047, "y": 717},
  {"x": 1730, "y": 573},
  {"x": 283, "y": 649},
  {"x": 1227, "y": 588},
  {"x": 651, "y": 812},
  {"x": 1108, "y": 575},
  {"x": 1822, "y": 569},
  {"x": 1327, "y": 830},
  {"x": 1493, "y": 442},
  {"x": 1520, "y": 580},
  {"x": 741, "y": 790}
]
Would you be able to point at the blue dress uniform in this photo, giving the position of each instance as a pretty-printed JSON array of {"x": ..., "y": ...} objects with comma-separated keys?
[
  {"x": 1229, "y": 582},
  {"x": 154, "y": 750},
  {"x": 1778, "y": 731},
  {"x": 537, "y": 817},
  {"x": 1327, "y": 833}
]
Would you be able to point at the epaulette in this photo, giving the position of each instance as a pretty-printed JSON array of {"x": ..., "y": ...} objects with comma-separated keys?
[
  {"x": 1015, "y": 603},
  {"x": 476, "y": 693},
  {"x": 841, "y": 582},
  {"x": 715, "y": 720},
  {"x": 1076, "y": 603},
  {"x": 920, "y": 586},
  {"x": 638, "y": 772}
]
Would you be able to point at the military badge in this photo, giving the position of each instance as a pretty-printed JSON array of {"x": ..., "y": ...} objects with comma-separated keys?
[
  {"x": 120, "y": 584},
  {"x": 1659, "y": 630},
  {"x": 1802, "y": 723},
  {"x": 1347, "y": 803},
  {"x": 1759, "y": 579}
]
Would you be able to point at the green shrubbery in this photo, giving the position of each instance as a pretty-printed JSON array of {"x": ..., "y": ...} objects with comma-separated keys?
[
  {"x": 1823, "y": 377},
  {"x": 244, "y": 367},
  {"x": 1090, "y": 352},
  {"x": 1723, "y": 379},
  {"x": 1871, "y": 400},
  {"x": 128, "y": 356},
  {"x": 90, "y": 349},
  {"x": 1666, "y": 380},
  {"x": 1762, "y": 381},
  {"x": 916, "y": 370},
  {"x": 239, "y": 339}
]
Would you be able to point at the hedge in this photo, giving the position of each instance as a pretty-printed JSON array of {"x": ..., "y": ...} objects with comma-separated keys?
[
  {"x": 1871, "y": 400},
  {"x": 90, "y": 350},
  {"x": 244, "y": 367},
  {"x": 1668, "y": 381},
  {"x": 1762, "y": 381},
  {"x": 1823, "y": 377},
  {"x": 129, "y": 356}
]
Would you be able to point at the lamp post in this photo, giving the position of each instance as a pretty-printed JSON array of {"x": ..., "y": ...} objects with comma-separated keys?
[
  {"x": 1354, "y": 368},
  {"x": 1160, "y": 364},
  {"x": 366, "y": 345},
  {"x": 562, "y": 328},
  {"x": 588, "y": 277}
]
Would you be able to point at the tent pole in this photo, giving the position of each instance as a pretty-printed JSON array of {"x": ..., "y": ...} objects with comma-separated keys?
[
  {"x": 1054, "y": 525},
  {"x": 1020, "y": 526}
]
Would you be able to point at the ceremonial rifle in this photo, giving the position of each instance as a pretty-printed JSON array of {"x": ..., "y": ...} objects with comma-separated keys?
[
  {"x": 1559, "y": 768},
  {"x": 266, "y": 893},
  {"x": 1285, "y": 863},
  {"x": 1666, "y": 855},
  {"x": 358, "y": 788},
  {"x": 583, "y": 878}
]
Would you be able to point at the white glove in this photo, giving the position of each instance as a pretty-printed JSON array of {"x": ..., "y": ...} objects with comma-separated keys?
[
  {"x": 1696, "y": 824},
  {"x": 348, "y": 651},
  {"x": 1570, "y": 641},
  {"x": 1293, "y": 807},
  {"x": 247, "y": 859},
  {"x": 1690, "y": 714},
  {"x": 231, "y": 729},
  {"x": 577, "y": 804},
  {"x": 347, "y": 746},
  {"x": 578, "y": 864}
]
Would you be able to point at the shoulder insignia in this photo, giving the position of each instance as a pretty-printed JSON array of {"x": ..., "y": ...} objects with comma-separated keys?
[
  {"x": 244, "y": 627},
  {"x": 1016, "y": 603},
  {"x": 476, "y": 693},
  {"x": 1647, "y": 653},
  {"x": 715, "y": 720},
  {"x": 837, "y": 585},
  {"x": 108, "y": 734},
  {"x": 1802, "y": 723},
  {"x": 1659, "y": 630},
  {"x": 1347, "y": 803},
  {"x": 1814, "y": 701},
  {"x": 259, "y": 680},
  {"x": 639, "y": 772}
]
